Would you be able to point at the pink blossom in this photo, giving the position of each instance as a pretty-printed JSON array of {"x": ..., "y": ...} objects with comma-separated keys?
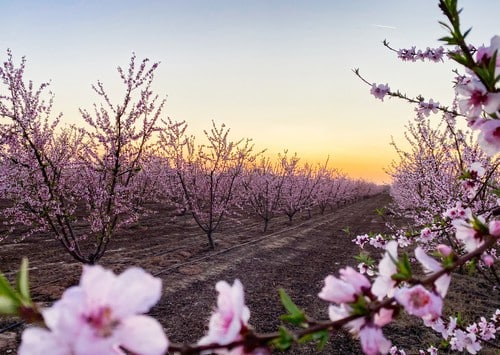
[
  {"x": 412, "y": 54},
  {"x": 101, "y": 315},
  {"x": 230, "y": 318},
  {"x": 378, "y": 241},
  {"x": 434, "y": 54},
  {"x": 444, "y": 250},
  {"x": 494, "y": 228},
  {"x": 458, "y": 212},
  {"x": 426, "y": 235},
  {"x": 438, "y": 325},
  {"x": 345, "y": 289},
  {"x": 432, "y": 265},
  {"x": 379, "y": 91},
  {"x": 419, "y": 302},
  {"x": 475, "y": 99},
  {"x": 365, "y": 269},
  {"x": 483, "y": 54},
  {"x": 339, "y": 312},
  {"x": 384, "y": 284},
  {"x": 432, "y": 350},
  {"x": 383, "y": 317},
  {"x": 373, "y": 341},
  {"x": 489, "y": 136},
  {"x": 476, "y": 170},
  {"x": 361, "y": 240},
  {"x": 425, "y": 108},
  {"x": 408, "y": 54},
  {"x": 462, "y": 340},
  {"x": 467, "y": 235},
  {"x": 487, "y": 259},
  {"x": 395, "y": 351},
  {"x": 487, "y": 329},
  {"x": 470, "y": 188}
]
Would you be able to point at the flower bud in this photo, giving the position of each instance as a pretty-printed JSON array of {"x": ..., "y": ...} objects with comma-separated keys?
[
  {"x": 444, "y": 250},
  {"x": 488, "y": 259},
  {"x": 494, "y": 228}
]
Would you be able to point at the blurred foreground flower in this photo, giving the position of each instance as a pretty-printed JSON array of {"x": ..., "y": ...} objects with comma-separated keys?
[
  {"x": 102, "y": 315},
  {"x": 230, "y": 319}
]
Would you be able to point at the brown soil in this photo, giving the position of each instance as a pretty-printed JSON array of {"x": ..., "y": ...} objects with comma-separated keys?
[{"x": 295, "y": 257}]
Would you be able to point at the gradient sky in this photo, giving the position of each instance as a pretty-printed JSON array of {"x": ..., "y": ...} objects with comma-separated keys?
[{"x": 276, "y": 71}]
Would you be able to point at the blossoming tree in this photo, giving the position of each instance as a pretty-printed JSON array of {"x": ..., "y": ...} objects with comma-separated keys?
[
  {"x": 51, "y": 175},
  {"x": 208, "y": 174}
]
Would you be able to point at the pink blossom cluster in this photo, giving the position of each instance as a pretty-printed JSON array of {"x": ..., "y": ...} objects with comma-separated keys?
[
  {"x": 49, "y": 172},
  {"x": 472, "y": 181},
  {"x": 425, "y": 108},
  {"x": 100, "y": 177},
  {"x": 379, "y": 91},
  {"x": 377, "y": 240},
  {"x": 412, "y": 54},
  {"x": 343, "y": 292},
  {"x": 352, "y": 288},
  {"x": 478, "y": 103},
  {"x": 467, "y": 338},
  {"x": 458, "y": 212}
]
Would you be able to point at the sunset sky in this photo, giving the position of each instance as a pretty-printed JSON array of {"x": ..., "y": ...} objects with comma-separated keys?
[{"x": 276, "y": 71}]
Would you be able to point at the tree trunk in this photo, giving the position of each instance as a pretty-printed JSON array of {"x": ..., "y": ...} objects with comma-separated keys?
[
  {"x": 210, "y": 240},
  {"x": 266, "y": 222}
]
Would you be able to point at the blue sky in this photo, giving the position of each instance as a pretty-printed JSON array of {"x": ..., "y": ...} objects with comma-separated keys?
[{"x": 275, "y": 71}]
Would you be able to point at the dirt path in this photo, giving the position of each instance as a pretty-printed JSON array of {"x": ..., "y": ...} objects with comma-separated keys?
[{"x": 296, "y": 257}]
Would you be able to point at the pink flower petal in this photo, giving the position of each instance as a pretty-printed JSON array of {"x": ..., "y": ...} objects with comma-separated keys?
[
  {"x": 135, "y": 291},
  {"x": 142, "y": 335},
  {"x": 39, "y": 341},
  {"x": 373, "y": 341}
]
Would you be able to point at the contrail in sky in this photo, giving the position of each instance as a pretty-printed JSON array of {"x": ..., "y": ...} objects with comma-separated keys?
[{"x": 388, "y": 27}]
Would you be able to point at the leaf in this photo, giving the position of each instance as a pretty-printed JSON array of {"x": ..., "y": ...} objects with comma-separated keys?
[
  {"x": 479, "y": 226},
  {"x": 466, "y": 33},
  {"x": 405, "y": 265},
  {"x": 8, "y": 305},
  {"x": 404, "y": 269},
  {"x": 399, "y": 277},
  {"x": 285, "y": 340},
  {"x": 365, "y": 258},
  {"x": 295, "y": 315},
  {"x": 6, "y": 289},
  {"x": 360, "y": 307},
  {"x": 321, "y": 336},
  {"x": 459, "y": 58},
  {"x": 22, "y": 282}
]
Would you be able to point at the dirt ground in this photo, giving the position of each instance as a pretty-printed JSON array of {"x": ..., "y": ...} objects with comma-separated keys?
[{"x": 296, "y": 257}]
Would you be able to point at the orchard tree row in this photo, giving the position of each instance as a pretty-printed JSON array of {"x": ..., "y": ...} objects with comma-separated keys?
[
  {"x": 445, "y": 185},
  {"x": 83, "y": 183}
]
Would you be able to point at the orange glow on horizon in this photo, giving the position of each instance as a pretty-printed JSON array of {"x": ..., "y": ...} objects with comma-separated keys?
[{"x": 369, "y": 167}]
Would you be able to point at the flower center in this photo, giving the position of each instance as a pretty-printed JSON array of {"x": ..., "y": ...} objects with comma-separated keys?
[
  {"x": 496, "y": 132},
  {"x": 478, "y": 98},
  {"x": 419, "y": 299},
  {"x": 102, "y": 322}
]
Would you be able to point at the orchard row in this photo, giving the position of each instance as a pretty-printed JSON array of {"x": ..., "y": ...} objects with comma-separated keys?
[{"x": 84, "y": 183}]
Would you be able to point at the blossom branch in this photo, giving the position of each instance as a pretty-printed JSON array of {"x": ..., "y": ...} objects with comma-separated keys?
[{"x": 417, "y": 100}]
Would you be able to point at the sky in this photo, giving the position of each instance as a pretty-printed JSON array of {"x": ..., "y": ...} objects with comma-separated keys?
[{"x": 276, "y": 71}]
